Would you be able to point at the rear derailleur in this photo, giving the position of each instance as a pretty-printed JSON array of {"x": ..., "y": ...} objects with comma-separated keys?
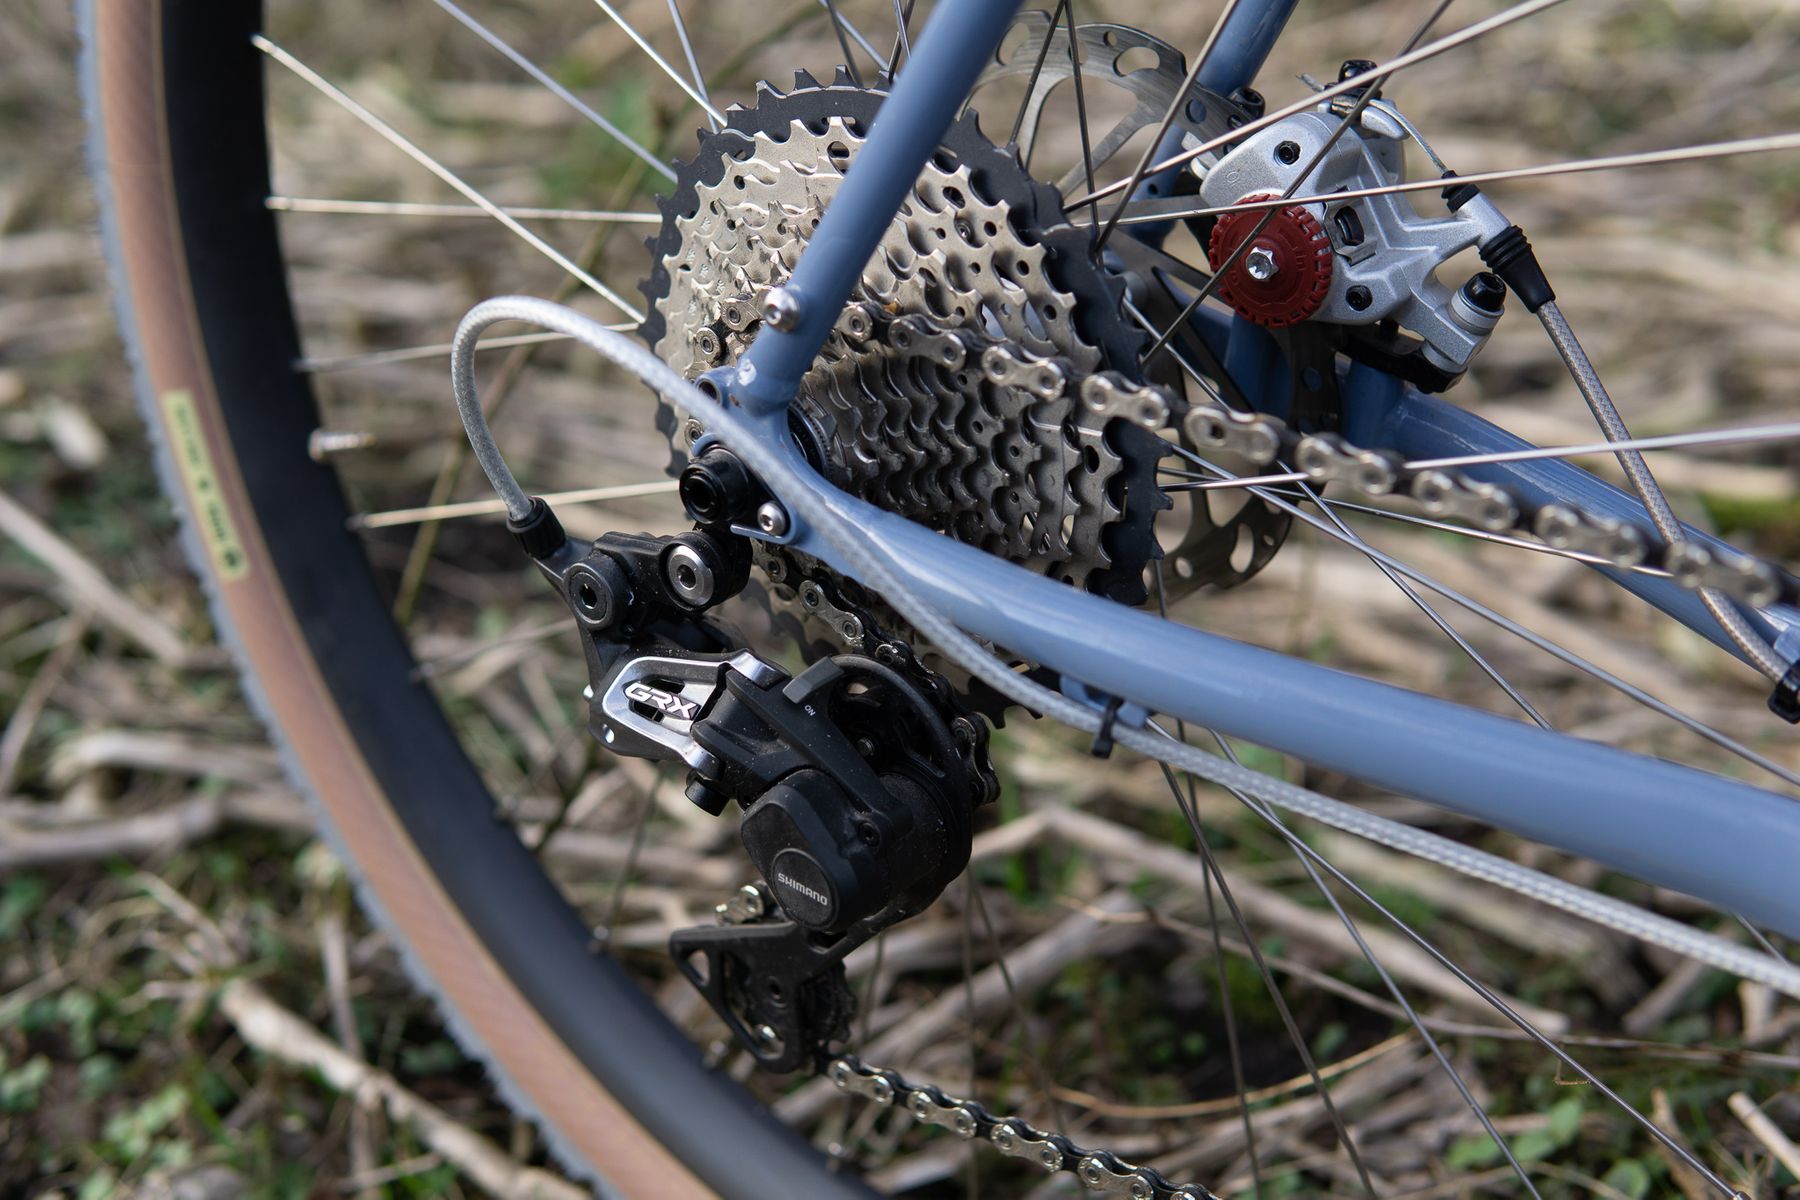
[{"x": 857, "y": 778}]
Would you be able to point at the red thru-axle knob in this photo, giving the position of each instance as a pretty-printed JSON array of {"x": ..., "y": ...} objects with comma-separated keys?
[{"x": 1281, "y": 278}]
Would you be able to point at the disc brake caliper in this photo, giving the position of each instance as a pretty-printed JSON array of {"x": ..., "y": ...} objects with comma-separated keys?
[
  {"x": 1366, "y": 263},
  {"x": 856, "y": 780}
]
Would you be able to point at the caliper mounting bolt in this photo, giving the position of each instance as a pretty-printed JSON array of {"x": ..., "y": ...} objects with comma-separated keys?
[
  {"x": 1485, "y": 291},
  {"x": 1351, "y": 68}
]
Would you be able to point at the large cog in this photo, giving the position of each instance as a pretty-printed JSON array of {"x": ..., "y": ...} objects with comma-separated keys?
[{"x": 979, "y": 248}]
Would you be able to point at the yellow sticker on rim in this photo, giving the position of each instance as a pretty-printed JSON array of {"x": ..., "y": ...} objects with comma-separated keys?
[{"x": 206, "y": 500}]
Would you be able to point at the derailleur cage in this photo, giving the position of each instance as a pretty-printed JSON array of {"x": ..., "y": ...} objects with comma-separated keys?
[{"x": 857, "y": 782}]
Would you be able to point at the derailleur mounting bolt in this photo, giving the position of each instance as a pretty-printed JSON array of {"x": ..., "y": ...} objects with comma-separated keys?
[
  {"x": 598, "y": 591},
  {"x": 781, "y": 310},
  {"x": 716, "y": 489},
  {"x": 690, "y": 576}
]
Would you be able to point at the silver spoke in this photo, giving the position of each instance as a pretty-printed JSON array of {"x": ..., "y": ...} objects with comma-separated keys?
[
  {"x": 843, "y": 36},
  {"x": 1274, "y": 821},
  {"x": 1168, "y": 211},
  {"x": 410, "y": 208},
  {"x": 1162, "y": 129},
  {"x": 687, "y": 51},
  {"x": 400, "y": 142},
  {"x": 556, "y": 89},
  {"x": 1430, "y": 50},
  {"x": 1373, "y": 82},
  {"x": 1524, "y": 1026},
  {"x": 1543, "y": 643},
  {"x": 846, "y": 26},
  {"x": 1482, "y": 535},
  {"x": 1081, "y": 114},
  {"x": 1784, "y": 431},
  {"x": 1433, "y": 615},
  {"x": 379, "y": 358},
  {"x": 694, "y": 93},
  {"x": 496, "y": 507},
  {"x": 902, "y": 36},
  {"x": 1033, "y": 1054},
  {"x": 1216, "y": 876},
  {"x": 1228, "y": 1010}
]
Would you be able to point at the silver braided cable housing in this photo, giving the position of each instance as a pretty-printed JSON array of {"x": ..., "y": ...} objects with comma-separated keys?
[{"x": 871, "y": 566}]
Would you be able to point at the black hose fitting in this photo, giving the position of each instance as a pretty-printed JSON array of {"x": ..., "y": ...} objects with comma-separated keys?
[
  {"x": 540, "y": 534},
  {"x": 1784, "y": 701},
  {"x": 1459, "y": 194},
  {"x": 1510, "y": 256}
]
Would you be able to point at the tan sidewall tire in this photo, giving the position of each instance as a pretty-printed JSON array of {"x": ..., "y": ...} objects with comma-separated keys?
[{"x": 134, "y": 175}]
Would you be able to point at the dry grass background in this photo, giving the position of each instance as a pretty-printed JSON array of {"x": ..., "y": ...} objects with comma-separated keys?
[{"x": 190, "y": 1003}]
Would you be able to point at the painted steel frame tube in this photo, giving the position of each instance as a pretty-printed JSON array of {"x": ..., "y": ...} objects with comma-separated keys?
[
  {"x": 1244, "y": 44},
  {"x": 1655, "y": 820},
  {"x": 957, "y": 43},
  {"x": 1419, "y": 426}
]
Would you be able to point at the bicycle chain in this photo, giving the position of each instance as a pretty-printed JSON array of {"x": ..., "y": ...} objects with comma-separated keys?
[
  {"x": 1441, "y": 492},
  {"x": 1327, "y": 458},
  {"x": 1445, "y": 492},
  {"x": 1264, "y": 441},
  {"x": 1098, "y": 1170}
]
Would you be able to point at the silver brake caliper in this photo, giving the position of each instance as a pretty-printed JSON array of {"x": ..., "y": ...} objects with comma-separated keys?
[{"x": 1384, "y": 254}]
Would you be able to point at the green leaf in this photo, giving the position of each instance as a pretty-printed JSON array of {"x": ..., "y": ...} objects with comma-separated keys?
[
  {"x": 433, "y": 1058},
  {"x": 19, "y": 1087},
  {"x": 1629, "y": 1176},
  {"x": 131, "y": 1132},
  {"x": 1565, "y": 1120},
  {"x": 98, "y": 1075},
  {"x": 1472, "y": 1153},
  {"x": 1534, "y": 1144},
  {"x": 20, "y": 897},
  {"x": 79, "y": 1010}
]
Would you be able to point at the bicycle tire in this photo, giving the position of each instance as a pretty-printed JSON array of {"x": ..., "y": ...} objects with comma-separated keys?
[{"x": 178, "y": 151}]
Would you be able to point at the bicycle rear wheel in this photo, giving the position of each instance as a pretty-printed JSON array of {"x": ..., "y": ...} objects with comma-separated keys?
[{"x": 182, "y": 153}]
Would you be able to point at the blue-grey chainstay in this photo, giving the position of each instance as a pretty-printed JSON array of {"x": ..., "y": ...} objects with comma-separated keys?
[{"x": 858, "y": 535}]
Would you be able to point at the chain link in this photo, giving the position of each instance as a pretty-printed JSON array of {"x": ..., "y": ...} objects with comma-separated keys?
[
  {"x": 1098, "y": 1170},
  {"x": 1328, "y": 458}
]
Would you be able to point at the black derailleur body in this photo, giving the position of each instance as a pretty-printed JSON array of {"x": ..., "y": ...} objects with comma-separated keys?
[{"x": 857, "y": 779}]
